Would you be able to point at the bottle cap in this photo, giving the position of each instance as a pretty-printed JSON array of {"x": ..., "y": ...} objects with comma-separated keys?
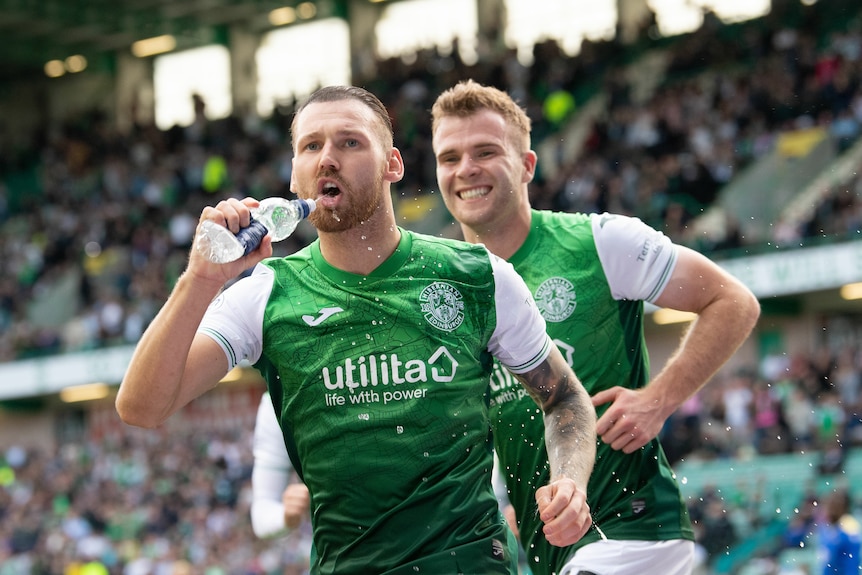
[{"x": 308, "y": 206}]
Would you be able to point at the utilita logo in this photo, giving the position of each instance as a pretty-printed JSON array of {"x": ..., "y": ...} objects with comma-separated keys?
[{"x": 374, "y": 370}]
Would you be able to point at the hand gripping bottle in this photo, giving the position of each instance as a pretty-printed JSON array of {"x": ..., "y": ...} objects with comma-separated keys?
[{"x": 277, "y": 217}]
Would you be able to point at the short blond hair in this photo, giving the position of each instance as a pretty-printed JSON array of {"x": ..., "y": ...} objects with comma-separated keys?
[{"x": 469, "y": 97}]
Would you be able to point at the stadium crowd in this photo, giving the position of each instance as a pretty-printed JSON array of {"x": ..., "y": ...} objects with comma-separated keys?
[
  {"x": 95, "y": 226},
  {"x": 141, "y": 502}
]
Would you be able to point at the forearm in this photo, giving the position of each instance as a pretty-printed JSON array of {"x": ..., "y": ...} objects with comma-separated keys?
[
  {"x": 708, "y": 343},
  {"x": 570, "y": 436},
  {"x": 726, "y": 313},
  {"x": 569, "y": 416},
  {"x": 152, "y": 388}
]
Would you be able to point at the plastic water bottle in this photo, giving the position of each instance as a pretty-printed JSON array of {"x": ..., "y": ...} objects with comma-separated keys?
[{"x": 277, "y": 217}]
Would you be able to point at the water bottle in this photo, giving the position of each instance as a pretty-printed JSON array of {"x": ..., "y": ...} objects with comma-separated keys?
[{"x": 277, "y": 217}]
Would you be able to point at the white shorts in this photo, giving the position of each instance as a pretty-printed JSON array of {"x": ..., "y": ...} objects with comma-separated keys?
[{"x": 616, "y": 557}]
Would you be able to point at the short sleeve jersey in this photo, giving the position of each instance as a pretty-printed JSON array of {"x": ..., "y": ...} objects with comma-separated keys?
[
  {"x": 380, "y": 383},
  {"x": 590, "y": 275}
]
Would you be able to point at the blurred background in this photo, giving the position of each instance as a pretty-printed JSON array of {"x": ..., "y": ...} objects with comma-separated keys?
[{"x": 733, "y": 126}]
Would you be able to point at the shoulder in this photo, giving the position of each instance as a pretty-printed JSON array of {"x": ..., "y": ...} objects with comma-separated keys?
[
  {"x": 618, "y": 232},
  {"x": 425, "y": 242},
  {"x": 456, "y": 253},
  {"x": 608, "y": 223},
  {"x": 298, "y": 258},
  {"x": 550, "y": 218},
  {"x": 569, "y": 230},
  {"x": 289, "y": 265}
]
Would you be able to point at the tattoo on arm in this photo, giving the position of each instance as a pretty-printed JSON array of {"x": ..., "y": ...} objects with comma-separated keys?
[{"x": 570, "y": 419}]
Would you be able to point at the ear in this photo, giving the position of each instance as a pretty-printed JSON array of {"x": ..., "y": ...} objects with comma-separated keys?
[
  {"x": 292, "y": 179},
  {"x": 530, "y": 158},
  {"x": 394, "y": 166}
]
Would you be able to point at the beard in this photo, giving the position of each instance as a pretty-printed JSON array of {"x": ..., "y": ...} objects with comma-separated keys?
[{"x": 359, "y": 207}]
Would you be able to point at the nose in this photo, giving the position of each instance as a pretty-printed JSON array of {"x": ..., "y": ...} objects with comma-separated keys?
[
  {"x": 466, "y": 167},
  {"x": 328, "y": 157}
]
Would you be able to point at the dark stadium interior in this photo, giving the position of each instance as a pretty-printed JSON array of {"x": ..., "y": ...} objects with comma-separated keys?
[{"x": 35, "y": 32}]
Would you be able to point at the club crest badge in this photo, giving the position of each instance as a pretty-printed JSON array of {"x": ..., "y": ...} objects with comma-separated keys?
[
  {"x": 556, "y": 299},
  {"x": 442, "y": 305}
]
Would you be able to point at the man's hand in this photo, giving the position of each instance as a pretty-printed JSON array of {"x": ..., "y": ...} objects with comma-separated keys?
[
  {"x": 564, "y": 510},
  {"x": 233, "y": 214},
  {"x": 296, "y": 503},
  {"x": 632, "y": 420}
]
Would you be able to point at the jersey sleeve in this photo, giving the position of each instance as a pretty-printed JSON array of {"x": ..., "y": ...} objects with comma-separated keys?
[
  {"x": 270, "y": 472},
  {"x": 234, "y": 319},
  {"x": 520, "y": 340},
  {"x": 638, "y": 260}
]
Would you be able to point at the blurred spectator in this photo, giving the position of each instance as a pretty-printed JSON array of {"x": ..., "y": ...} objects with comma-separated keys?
[
  {"x": 838, "y": 536},
  {"x": 138, "y": 503}
]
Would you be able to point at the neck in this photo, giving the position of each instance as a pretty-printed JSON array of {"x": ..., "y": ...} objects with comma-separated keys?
[
  {"x": 362, "y": 249},
  {"x": 501, "y": 239}
]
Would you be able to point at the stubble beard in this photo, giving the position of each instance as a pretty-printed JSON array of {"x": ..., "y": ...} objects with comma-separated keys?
[{"x": 362, "y": 205}]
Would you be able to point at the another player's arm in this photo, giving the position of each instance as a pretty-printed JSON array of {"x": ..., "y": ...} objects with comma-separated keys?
[
  {"x": 570, "y": 419},
  {"x": 520, "y": 339},
  {"x": 570, "y": 439},
  {"x": 727, "y": 312}
]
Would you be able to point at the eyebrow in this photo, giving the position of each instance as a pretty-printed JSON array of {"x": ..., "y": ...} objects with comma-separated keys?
[
  {"x": 356, "y": 133},
  {"x": 480, "y": 146}
]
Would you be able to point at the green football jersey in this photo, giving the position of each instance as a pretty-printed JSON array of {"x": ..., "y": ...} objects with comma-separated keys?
[
  {"x": 631, "y": 496},
  {"x": 380, "y": 383}
]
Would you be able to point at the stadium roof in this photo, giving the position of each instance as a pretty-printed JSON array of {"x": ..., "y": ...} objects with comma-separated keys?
[{"x": 37, "y": 31}]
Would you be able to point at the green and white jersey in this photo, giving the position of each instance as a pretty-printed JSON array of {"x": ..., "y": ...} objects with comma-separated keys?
[
  {"x": 380, "y": 383},
  {"x": 589, "y": 275}
]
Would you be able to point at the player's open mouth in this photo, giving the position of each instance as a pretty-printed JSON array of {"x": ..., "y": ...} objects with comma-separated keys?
[
  {"x": 329, "y": 189},
  {"x": 474, "y": 193}
]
